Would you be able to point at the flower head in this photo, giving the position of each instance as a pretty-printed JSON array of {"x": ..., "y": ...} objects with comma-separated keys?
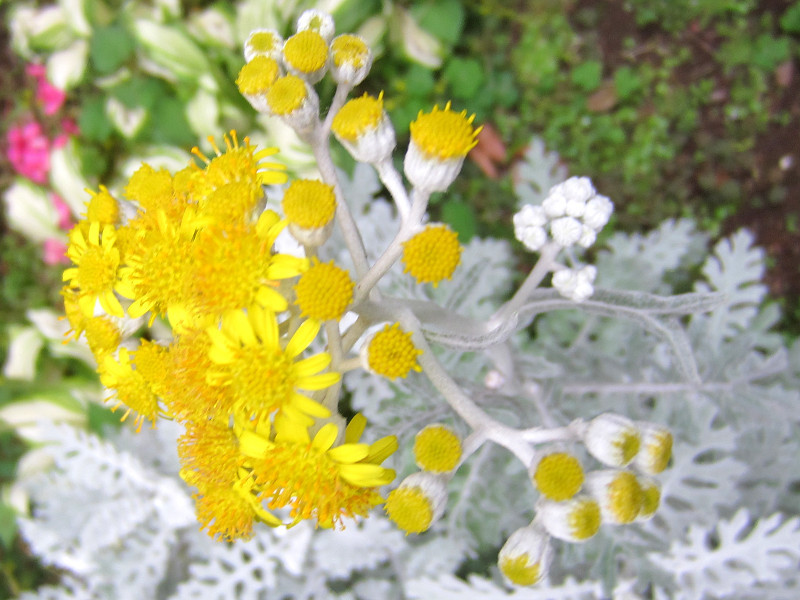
[
  {"x": 317, "y": 478},
  {"x": 612, "y": 439},
  {"x": 656, "y": 448},
  {"x": 574, "y": 520},
  {"x": 263, "y": 42},
  {"x": 94, "y": 276},
  {"x": 440, "y": 140},
  {"x": 310, "y": 207},
  {"x": 619, "y": 494},
  {"x": 418, "y": 502},
  {"x": 324, "y": 291},
  {"x": 102, "y": 207},
  {"x": 306, "y": 55},
  {"x": 525, "y": 557},
  {"x": 130, "y": 388},
  {"x": 29, "y": 151},
  {"x": 363, "y": 127},
  {"x": 317, "y": 21},
  {"x": 391, "y": 353},
  {"x": 558, "y": 475},
  {"x": 255, "y": 79},
  {"x": 432, "y": 254},
  {"x": 261, "y": 369},
  {"x": 291, "y": 98},
  {"x": 350, "y": 59},
  {"x": 437, "y": 448}
]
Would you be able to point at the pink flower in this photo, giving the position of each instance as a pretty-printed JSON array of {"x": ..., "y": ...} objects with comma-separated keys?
[
  {"x": 64, "y": 214},
  {"x": 29, "y": 151},
  {"x": 68, "y": 128},
  {"x": 50, "y": 97},
  {"x": 55, "y": 252}
]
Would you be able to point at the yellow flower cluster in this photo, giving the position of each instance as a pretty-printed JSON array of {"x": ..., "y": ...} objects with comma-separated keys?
[{"x": 197, "y": 247}]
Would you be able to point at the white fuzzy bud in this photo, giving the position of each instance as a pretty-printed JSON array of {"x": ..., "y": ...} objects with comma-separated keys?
[
  {"x": 566, "y": 231},
  {"x": 555, "y": 205},
  {"x": 578, "y": 189},
  {"x": 526, "y": 556},
  {"x": 598, "y": 211},
  {"x": 318, "y": 21},
  {"x": 612, "y": 439}
]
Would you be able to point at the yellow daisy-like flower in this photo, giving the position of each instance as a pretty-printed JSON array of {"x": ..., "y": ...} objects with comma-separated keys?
[
  {"x": 152, "y": 190},
  {"x": 432, "y": 255},
  {"x": 102, "y": 207},
  {"x": 239, "y": 163},
  {"x": 316, "y": 478},
  {"x": 131, "y": 389},
  {"x": 306, "y": 54},
  {"x": 233, "y": 267},
  {"x": 261, "y": 369},
  {"x": 324, "y": 291},
  {"x": 558, "y": 475},
  {"x": 349, "y": 49},
  {"x": 309, "y": 204},
  {"x": 102, "y": 335},
  {"x": 209, "y": 454},
  {"x": 391, "y": 353},
  {"x": 228, "y": 512},
  {"x": 437, "y": 449},
  {"x": 444, "y": 134},
  {"x": 95, "y": 275}
]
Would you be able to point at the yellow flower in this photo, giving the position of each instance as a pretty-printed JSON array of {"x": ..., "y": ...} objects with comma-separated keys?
[
  {"x": 102, "y": 207},
  {"x": 391, "y": 353},
  {"x": 130, "y": 388},
  {"x": 558, "y": 475},
  {"x": 525, "y": 557},
  {"x": 437, "y": 448},
  {"x": 255, "y": 79},
  {"x": 95, "y": 274},
  {"x": 152, "y": 190},
  {"x": 351, "y": 59},
  {"x": 316, "y": 478},
  {"x": 440, "y": 140},
  {"x": 432, "y": 255},
  {"x": 260, "y": 368},
  {"x": 306, "y": 55},
  {"x": 363, "y": 127},
  {"x": 418, "y": 502},
  {"x": 309, "y": 204},
  {"x": 324, "y": 291},
  {"x": 263, "y": 42}
]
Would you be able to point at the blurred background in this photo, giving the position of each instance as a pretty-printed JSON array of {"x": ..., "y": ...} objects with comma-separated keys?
[{"x": 674, "y": 108}]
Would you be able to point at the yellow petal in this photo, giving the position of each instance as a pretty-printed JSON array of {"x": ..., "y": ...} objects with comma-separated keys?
[
  {"x": 253, "y": 445},
  {"x": 382, "y": 449},
  {"x": 355, "y": 429},
  {"x": 302, "y": 338},
  {"x": 309, "y": 407},
  {"x": 270, "y": 299},
  {"x": 359, "y": 473},
  {"x": 312, "y": 364},
  {"x": 325, "y": 437},
  {"x": 318, "y": 382},
  {"x": 349, "y": 453},
  {"x": 237, "y": 325}
]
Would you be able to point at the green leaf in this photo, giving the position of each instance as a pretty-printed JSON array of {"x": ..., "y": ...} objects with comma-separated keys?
[
  {"x": 352, "y": 13},
  {"x": 93, "y": 162},
  {"x": 8, "y": 525},
  {"x": 442, "y": 18},
  {"x": 465, "y": 77},
  {"x": 790, "y": 21},
  {"x": 588, "y": 75},
  {"x": 627, "y": 82},
  {"x": 109, "y": 48},
  {"x": 100, "y": 419},
  {"x": 169, "y": 125},
  {"x": 419, "y": 81},
  {"x": 770, "y": 51},
  {"x": 461, "y": 218},
  {"x": 92, "y": 120},
  {"x": 139, "y": 91}
]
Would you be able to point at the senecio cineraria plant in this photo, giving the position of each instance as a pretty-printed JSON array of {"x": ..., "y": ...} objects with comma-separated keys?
[{"x": 263, "y": 438}]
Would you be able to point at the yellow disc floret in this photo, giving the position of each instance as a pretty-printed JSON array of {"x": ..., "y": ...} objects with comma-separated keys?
[
  {"x": 410, "y": 509},
  {"x": 309, "y": 204},
  {"x": 432, "y": 255},
  {"x": 324, "y": 291},
  {"x": 658, "y": 451},
  {"x": 130, "y": 389},
  {"x": 520, "y": 570},
  {"x": 306, "y": 51},
  {"x": 263, "y": 42},
  {"x": 286, "y": 95},
  {"x": 257, "y": 76},
  {"x": 349, "y": 49},
  {"x": 358, "y": 116},
  {"x": 437, "y": 449},
  {"x": 558, "y": 476},
  {"x": 651, "y": 499},
  {"x": 444, "y": 134},
  {"x": 391, "y": 353},
  {"x": 625, "y": 497},
  {"x": 584, "y": 519}
]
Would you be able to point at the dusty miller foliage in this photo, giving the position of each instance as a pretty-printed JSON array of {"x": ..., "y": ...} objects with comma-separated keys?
[{"x": 698, "y": 356}]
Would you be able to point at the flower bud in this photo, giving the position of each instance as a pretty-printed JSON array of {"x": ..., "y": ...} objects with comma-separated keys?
[
  {"x": 364, "y": 129},
  {"x": 575, "y": 520},
  {"x": 350, "y": 59},
  {"x": 317, "y": 21},
  {"x": 263, "y": 42},
  {"x": 418, "y": 502},
  {"x": 656, "y": 448},
  {"x": 437, "y": 448},
  {"x": 618, "y": 493},
  {"x": 525, "y": 557},
  {"x": 651, "y": 498},
  {"x": 557, "y": 475},
  {"x": 529, "y": 225},
  {"x": 612, "y": 439}
]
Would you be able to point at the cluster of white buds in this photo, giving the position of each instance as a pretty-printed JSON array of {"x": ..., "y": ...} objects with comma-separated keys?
[
  {"x": 572, "y": 212},
  {"x": 575, "y": 284}
]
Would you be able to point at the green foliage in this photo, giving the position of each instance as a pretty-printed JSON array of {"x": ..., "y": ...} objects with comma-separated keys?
[
  {"x": 442, "y": 18},
  {"x": 790, "y": 21},
  {"x": 110, "y": 47}
]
